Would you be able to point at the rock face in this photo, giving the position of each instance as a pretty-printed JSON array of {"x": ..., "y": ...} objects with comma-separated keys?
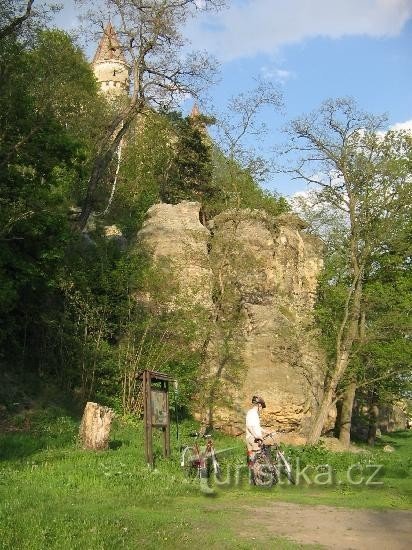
[
  {"x": 393, "y": 417},
  {"x": 276, "y": 275},
  {"x": 176, "y": 239},
  {"x": 256, "y": 275}
]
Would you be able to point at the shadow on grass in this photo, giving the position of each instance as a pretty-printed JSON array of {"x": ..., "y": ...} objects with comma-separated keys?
[
  {"x": 397, "y": 440},
  {"x": 400, "y": 435},
  {"x": 381, "y": 443},
  {"x": 395, "y": 472},
  {"x": 35, "y": 430},
  {"x": 15, "y": 446},
  {"x": 116, "y": 444}
]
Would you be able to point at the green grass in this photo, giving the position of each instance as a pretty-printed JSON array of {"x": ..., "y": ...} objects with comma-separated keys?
[{"x": 54, "y": 495}]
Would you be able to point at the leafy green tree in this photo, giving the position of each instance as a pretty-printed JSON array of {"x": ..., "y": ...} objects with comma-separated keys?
[
  {"x": 365, "y": 175},
  {"x": 63, "y": 84},
  {"x": 146, "y": 155},
  {"x": 190, "y": 175},
  {"x": 44, "y": 149},
  {"x": 170, "y": 158},
  {"x": 245, "y": 193},
  {"x": 378, "y": 369},
  {"x": 164, "y": 159},
  {"x": 150, "y": 34},
  {"x": 382, "y": 358}
]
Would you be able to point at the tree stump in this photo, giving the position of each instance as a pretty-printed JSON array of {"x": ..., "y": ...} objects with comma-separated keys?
[{"x": 95, "y": 427}]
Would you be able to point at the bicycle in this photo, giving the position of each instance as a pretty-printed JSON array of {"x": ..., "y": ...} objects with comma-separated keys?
[
  {"x": 269, "y": 463},
  {"x": 199, "y": 462}
]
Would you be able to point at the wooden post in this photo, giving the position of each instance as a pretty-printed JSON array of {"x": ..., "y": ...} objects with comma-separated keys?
[
  {"x": 156, "y": 411},
  {"x": 166, "y": 429},
  {"x": 148, "y": 418}
]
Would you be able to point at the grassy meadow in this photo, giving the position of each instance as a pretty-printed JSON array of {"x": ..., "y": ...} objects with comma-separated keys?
[{"x": 54, "y": 495}]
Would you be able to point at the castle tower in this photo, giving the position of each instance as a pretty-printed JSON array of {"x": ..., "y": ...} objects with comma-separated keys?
[
  {"x": 195, "y": 112},
  {"x": 200, "y": 122},
  {"x": 109, "y": 64},
  {"x": 197, "y": 119}
]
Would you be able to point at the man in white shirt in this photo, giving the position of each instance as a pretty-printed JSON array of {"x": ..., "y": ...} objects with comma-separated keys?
[{"x": 253, "y": 428}]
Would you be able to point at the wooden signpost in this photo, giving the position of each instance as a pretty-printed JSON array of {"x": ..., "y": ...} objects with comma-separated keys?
[{"x": 156, "y": 410}]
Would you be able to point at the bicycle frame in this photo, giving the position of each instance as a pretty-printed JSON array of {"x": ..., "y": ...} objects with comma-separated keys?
[
  {"x": 272, "y": 459},
  {"x": 199, "y": 458}
]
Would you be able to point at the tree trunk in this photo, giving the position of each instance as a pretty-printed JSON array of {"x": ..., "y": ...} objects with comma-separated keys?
[
  {"x": 95, "y": 427},
  {"x": 321, "y": 416},
  {"x": 373, "y": 422},
  {"x": 346, "y": 414},
  {"x": 17, "y": 22},
  {"x": 108, "y": 147},
  {"x": 344, "y": 342}
]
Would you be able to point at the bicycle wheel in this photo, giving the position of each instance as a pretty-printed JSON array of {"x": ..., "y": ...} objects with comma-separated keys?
[
  {"x": 286, "y": 467},
  {"x": 190, "y": 462},
  {"x": 264, "y": 473}
]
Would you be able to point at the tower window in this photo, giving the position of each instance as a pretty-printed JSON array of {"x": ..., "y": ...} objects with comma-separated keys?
[{"x": 114, "y": 72}]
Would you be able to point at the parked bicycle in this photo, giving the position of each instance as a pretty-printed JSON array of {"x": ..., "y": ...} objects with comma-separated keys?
[
  {"x": 269, "y": 463},
  {"x": 200, "y": 462}
]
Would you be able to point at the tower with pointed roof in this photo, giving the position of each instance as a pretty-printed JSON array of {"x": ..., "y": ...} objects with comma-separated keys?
[
  {"x": 109, "y": 64},
  {"x": 199, "y": 121},
  {"x": 195, "y": 112}
]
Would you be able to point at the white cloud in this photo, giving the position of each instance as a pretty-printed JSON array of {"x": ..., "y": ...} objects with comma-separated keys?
[
  {"x": 250, "y": 27},
  {"x": 407, "y": 125},
  {"x": 279, "y": 75},
  {"x": 299, "y": 197}
]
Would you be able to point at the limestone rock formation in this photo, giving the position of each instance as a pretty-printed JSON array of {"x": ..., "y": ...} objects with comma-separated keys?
[
  {"x": 276, "y": 271},
  {"x": 256, "y": 276},
  {"x": 393, "y": 417},
  {"x": 178, "y": 243}
]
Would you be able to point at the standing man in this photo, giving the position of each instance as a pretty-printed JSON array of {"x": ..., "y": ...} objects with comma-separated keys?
[{"x": 253, "y": 428}]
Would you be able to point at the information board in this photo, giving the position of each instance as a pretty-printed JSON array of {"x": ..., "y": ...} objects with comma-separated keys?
[{"x": 160, "y": 413}]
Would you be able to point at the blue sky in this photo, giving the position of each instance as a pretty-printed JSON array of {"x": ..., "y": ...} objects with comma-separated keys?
[{"x": 313, "y": 50}]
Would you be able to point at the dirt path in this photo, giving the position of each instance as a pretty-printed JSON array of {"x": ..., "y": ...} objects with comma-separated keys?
[{"x": 328, "y": 527}]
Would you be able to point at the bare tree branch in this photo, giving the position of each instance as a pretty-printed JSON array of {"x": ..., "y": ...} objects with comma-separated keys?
[
  {"x": 150, "y": 36},
  {"x": 17, "y": 22}
]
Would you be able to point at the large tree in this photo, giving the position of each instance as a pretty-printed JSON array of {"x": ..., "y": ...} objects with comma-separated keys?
[
  {"x": 48, "y": 111},
  {"x": 365, "y": 174},
  {"x": 241, "y": 165},
  {"x": 151, "y": 39},
  {"x": 22, "y": 19},
  {"x": 380, "y": 358},
  {"x": 378, "y": 373}
]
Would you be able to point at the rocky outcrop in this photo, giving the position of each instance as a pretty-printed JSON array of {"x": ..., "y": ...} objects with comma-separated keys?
[
  {"x": 256, "y": 276},
  {"x": 178, "y": 243},
  {"x": 275, "y": 267},
  {"x": 390, "y": 417},
  {"x": 393, "y": 417}
]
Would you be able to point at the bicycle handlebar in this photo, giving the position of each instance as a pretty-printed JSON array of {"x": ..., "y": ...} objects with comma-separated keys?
[
  {"x": 271, "y": 434},
  {"x": 198, "y": 434}
]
